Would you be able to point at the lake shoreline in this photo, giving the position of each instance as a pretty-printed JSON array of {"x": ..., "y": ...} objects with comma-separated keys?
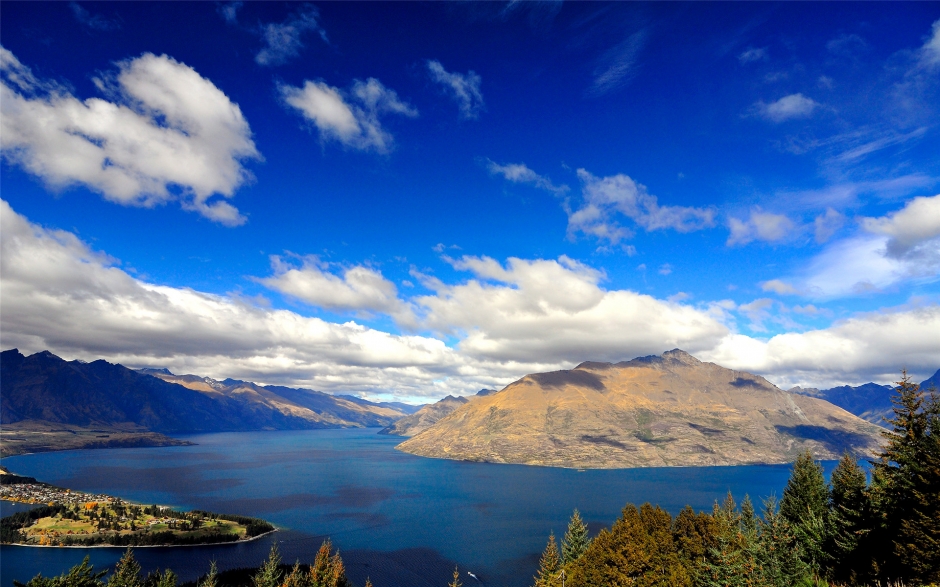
[{"x": 252, "y": 539}]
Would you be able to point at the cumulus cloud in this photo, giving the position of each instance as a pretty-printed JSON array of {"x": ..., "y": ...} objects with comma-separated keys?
[
  {"x": 58, "y": 294},
  {"x": 521, "y": 173},
  {"x": 359, "y": 288},
  {"x": 169, "y": 134},
  {"x": 759, "y": 225},
  {"x": 351, "y": 118},
  {"x": 915, "y": 225},
  {"x": 93, "y": 21},
  {"x": 752, "y": 54},
  {"x": 283, "y": 40},
  {"x": 868, "y": 347},
  {"x": 556, "y": 310},
  {"x": 463, "y": 88},
  {"x": 508, "y": 319},
  {"x": 603, "y": 198},
  {"x": 787, "y": 108}
]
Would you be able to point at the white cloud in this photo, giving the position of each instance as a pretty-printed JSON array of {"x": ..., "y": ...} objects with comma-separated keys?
[
  {"x": 555, "y": 311},
  {"x": 169, "y": 127},
  {"x": 351, "y": 118},
  {"x": 752, "y": 54},
  {"x": 914, "y": 225},
  {"x": 786, "y": 108},
  {"x": 605, "y": 197},
  {"x": 759, "y": 226},
  {"x": 283, "y": 40},
  {"x": 757, "y": 312},
  {"x": 60, "y": 295},
  {"x": 868, "y": 347},
  {"x": 665, "y": 269},
  {"x": 509, "y": 319},
  {"x": 520, "y": 173},
  {"x": 359, "y": 288},
  {"x": 463, "y": 88},
  {"x": 930, "y": 51}
]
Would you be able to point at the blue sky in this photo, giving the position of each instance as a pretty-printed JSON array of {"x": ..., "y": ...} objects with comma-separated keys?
[{"x": 408, "y": 200}]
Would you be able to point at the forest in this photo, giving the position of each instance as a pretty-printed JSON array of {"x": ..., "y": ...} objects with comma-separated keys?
[{"x": 877, "y": 524}]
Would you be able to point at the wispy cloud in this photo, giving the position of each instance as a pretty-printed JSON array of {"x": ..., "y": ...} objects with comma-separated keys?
[
  {"x": 520, "y": 173},
  {"x": 929, "y": 53},
  {"x": 351, "y": 118},
  {"x": 93, "y": 21},
  {"x": 229, "y": 11},
  {"x": 463, "y": 88},
  {"x": 284, "y": 40},
  {"x": 752, "y": 54},
  {"x": 618, "y": 65}
]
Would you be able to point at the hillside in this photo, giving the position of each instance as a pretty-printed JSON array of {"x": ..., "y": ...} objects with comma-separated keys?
[
  {"x": 428, "y": 415},
  {"x": 672, "y": 410},
  {"x": 46, "y": 388}
]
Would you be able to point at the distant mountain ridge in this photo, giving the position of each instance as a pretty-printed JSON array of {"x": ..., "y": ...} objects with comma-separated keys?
[
  {"x": 869, "y": 401},
  {"x": 44, "y": 387},
  {"x": 669, "y": 410},
  {"x": 428, "y": 415}
]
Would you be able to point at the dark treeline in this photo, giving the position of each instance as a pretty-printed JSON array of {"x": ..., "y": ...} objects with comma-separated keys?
[{"x": 852, "y": 531}]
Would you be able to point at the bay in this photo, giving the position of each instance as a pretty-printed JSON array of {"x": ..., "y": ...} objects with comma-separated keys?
[{"x": 397, "y": 518}]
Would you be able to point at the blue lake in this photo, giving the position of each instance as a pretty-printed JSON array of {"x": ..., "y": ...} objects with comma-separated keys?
[{"x": 399, "y": 519}]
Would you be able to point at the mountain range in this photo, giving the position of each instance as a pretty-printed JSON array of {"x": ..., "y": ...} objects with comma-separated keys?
[
  {"x": 669, "y": 410},
  {"x": 45, "y": 388}
]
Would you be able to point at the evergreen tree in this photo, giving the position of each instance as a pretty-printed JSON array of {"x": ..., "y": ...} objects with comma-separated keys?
[
  {"x": 166, "y": 579},
  {"x": 296, "y": 577},
  {"x": 549, "y": 564},
  {"x": 269, "y": 574},
  {"x": 805, "y": 507},
  {"x": 576, "y": 539},
  {"x": 694, "y": 535},
  {"x": 126, "y": 572},
  {"x": 778, "y": 551},
  {"x": 913, "y": 483},
  {"x": 849, "y": 520},
  {"x": 211, "y": 579},
  {"x": 731, "y": 562},
  {"x": 81, "y": 575},
  {"x": 456, "y": 582},
  {"x": 328, "y": 569}
]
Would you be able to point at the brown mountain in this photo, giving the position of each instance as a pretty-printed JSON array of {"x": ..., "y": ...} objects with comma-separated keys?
[
  {"x": 672, "y": 410},
  {"x": 430, "y": 414}
]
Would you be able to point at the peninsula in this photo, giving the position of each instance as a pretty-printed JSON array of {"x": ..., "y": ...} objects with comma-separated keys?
[{"x": 75, "y": 518}]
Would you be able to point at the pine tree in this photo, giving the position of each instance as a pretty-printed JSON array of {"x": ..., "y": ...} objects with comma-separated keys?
[
  {"x": 212, "y": 578},
  {"x": 576, "y": 539},
  {"x": 456, "y": 582},
  {"x": 166, "y": 579},
  {"x": 778, "y": 551},
  {"x": 126, "y": 572},
  {"x": 805, "y": 507},
  {"x": 849, "y": 520},
  {"x": 549, "y": 564},
  {"x": 917, "y": 544},
  {"x": 296, "y": 577},
  {"x": 269, "y": 574}
]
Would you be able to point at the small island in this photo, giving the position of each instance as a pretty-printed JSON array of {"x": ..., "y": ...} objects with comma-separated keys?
[{"x": 74, "y": 518}]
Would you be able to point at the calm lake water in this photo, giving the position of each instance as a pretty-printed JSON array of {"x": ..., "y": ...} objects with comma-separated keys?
[{"x": 400, "y": 519}]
